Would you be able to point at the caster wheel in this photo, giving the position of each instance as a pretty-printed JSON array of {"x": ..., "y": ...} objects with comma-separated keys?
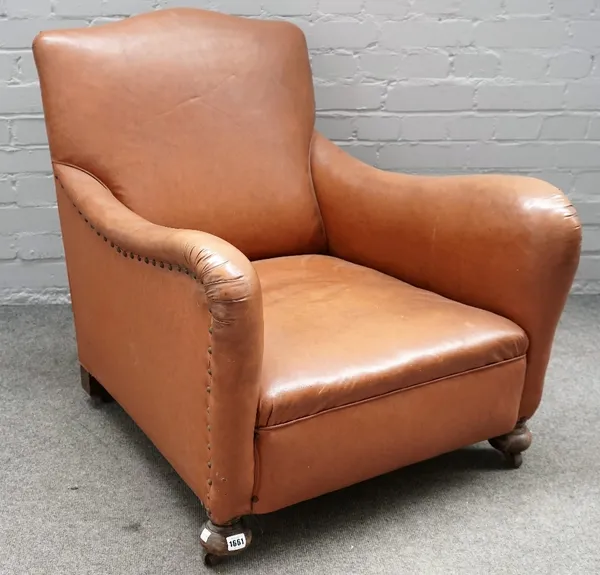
[
  {"x": 221, "y": 541},
  {"x": 211, "y": 560},
  {"x": 514, "y": 460},
  {"x": 513, "y": 444}
]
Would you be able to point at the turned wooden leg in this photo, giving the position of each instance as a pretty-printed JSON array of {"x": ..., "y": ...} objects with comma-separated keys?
[
  {"x": 93, "y": 387},
  {"x": 513, "y": 444},
  {"x": 220, "y": 541}
]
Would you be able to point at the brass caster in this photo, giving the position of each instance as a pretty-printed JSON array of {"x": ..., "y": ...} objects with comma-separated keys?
[
  {"x": 513, "y": 444},
  {"x": 220, "y": 541}
]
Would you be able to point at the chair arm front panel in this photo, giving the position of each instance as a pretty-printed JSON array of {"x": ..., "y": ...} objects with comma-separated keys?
[{"x": 170, "y": 322}]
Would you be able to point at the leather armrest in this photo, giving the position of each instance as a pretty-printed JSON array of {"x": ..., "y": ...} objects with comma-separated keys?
[
  {"x": 506, "y": 244},
  {"x": 226, "y": 275},
  {"x": 182, "y": 351}
]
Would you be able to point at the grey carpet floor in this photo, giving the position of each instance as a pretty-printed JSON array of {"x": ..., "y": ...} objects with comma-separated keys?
[{"x": 82, "y": 491}]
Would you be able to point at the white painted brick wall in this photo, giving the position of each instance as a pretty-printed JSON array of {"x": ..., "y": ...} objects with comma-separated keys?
[{"x": 432, "y": 86}]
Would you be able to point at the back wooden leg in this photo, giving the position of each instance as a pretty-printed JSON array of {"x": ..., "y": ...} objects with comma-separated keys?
[
  {"x": 513, "y": 444},
  {"x": 93, "y": 387}
]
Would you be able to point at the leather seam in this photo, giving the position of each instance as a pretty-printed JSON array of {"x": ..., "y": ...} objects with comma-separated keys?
[
  {"x": 314, "y": 192},
  {"x": 168, "y": 267},
  {"x": 255, "y": 486},
  {"x": 80, "y": 169},
  {"x": 389, "y": 393}
]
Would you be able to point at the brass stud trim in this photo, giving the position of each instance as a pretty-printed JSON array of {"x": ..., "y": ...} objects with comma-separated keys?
[
  {"x": 208, "y": 392},
  {"x": 132, "y": 255},
  {"x": 187, "y": 272}
]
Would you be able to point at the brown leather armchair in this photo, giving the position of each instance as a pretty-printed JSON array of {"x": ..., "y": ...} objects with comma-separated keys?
[{"x": 279, "y": 318}]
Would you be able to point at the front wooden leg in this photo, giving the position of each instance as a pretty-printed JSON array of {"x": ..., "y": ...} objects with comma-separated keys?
[
  {"x": 93, "y": 387},
  {"x": 220, "y": 541},
  {"x": 513, "y": 444}
]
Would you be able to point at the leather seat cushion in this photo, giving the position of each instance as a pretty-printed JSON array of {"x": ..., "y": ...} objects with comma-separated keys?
[{"x": 337, "y": 333}]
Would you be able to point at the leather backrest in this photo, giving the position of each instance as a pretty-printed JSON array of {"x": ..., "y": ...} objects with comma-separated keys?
[{"x": 193, "y": 119}]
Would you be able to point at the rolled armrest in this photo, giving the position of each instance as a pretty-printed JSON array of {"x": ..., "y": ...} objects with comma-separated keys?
[
  {"x": 226, "y": 275},
  {"x": 171, "y": 322},
  {"x": 506, "y": 244}
]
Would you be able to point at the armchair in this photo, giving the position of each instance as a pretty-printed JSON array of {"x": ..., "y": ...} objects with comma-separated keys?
[{"x": 280, "y": 319}]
